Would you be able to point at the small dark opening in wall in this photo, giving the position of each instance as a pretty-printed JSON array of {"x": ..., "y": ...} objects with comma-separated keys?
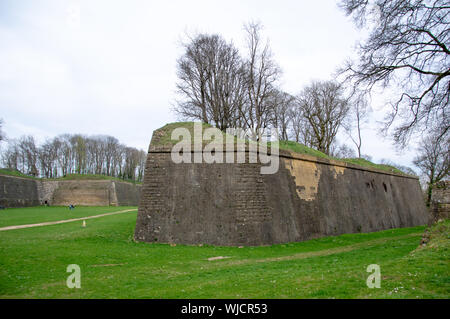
[
  {"x": 368, "y": 185},
  {"x": 385, "y": 187}
]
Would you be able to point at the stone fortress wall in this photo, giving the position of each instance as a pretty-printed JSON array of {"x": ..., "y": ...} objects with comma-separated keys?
[
  {"x": 234, "y": 204},
  {"x": 22, "y": 192},
  {"x": 440, "y": 201},
  {"x": 18, "y": 192}
]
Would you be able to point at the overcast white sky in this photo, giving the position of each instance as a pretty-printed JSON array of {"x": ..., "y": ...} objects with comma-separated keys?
[{"x": 109, "y": 67}]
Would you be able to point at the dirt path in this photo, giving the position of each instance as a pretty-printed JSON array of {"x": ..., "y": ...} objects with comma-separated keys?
[
  {"x": 324, "y": 252},
  {"x": 66, "y": 220}
]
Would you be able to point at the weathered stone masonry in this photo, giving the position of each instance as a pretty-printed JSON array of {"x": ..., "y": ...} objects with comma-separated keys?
[
  {"x": 18, "y": 192},
  {"x": 440, "y": 201},
  {"x": 22, "y": 192},
  {"x": 233, "y": 204}
]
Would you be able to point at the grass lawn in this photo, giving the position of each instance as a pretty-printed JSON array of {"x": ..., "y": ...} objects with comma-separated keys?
[
  {"x": 33, "y": 215},
  {"x": 33, "y": 264}
]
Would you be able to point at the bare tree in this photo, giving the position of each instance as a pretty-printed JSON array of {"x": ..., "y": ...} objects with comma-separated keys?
[
  {"x": 193, "y": 74},
  {"x": 2, "y": 135},
  {"x": 261, "y": 75},
  {"x": 342, "y": 151},
  {"x": 356, "y": 118},
  {"x": 131, "y": 163},
  {"x": 48, "y": 159},
  {"x": 282, "y": 104},
  {"x": 211, "y": 81},
  {"x": 296, "y": 123},
  {"x": 300, "y": 127},
  {"x": 407, "y": 46},
  {"x": 78, "y": 144},
  {"x": 11, "y": 156},
  {"x": 118, "y": 160},
  {"x": 65, "y": 153},
  {"x": 96, "y": 148},
  {"x": 29, "y": 155},
  {"x": 323, "y": 106},
  {"x": 111, "y": 145},
  {"x": 141, "y": 165},
  {"x": 433, "y": 160}
]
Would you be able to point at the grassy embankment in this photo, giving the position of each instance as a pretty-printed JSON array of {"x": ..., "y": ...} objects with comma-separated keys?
[
  {"x": 164, "y": 134},
  {"x": 68, "y": 177}
]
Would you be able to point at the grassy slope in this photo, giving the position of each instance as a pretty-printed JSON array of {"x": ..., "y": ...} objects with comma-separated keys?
[
  {"x": 33, "y": 215},
  {"x": 11, "y": 172},
  {"x": 165, "y": 139},
  {"x": 92, "y": 176},
  {"x": 164, "y": 133},
  {"x": 33, "y": 265}
]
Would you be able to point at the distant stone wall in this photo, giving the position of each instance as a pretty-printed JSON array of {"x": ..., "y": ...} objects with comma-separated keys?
[
  {"x": 22, "y": 192},
  {"x": 18, "y": 192},
  {"x": 84, "y": 193},
  {"x": 127, "y": 194},
  {"x": 440, "y": 201},
  {"x": 234, "y": 204},
  {"x": 46, "y": 189}
]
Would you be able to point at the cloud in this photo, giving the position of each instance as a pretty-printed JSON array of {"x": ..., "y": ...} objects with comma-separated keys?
[{"x": 109, "y": 67}]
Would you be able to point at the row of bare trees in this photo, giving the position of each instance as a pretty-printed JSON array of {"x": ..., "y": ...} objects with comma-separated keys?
[
  {"x": 219, "y": 86},
  {"x": 74, "y": 153},
  {"x": 407, "y": 49}
]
